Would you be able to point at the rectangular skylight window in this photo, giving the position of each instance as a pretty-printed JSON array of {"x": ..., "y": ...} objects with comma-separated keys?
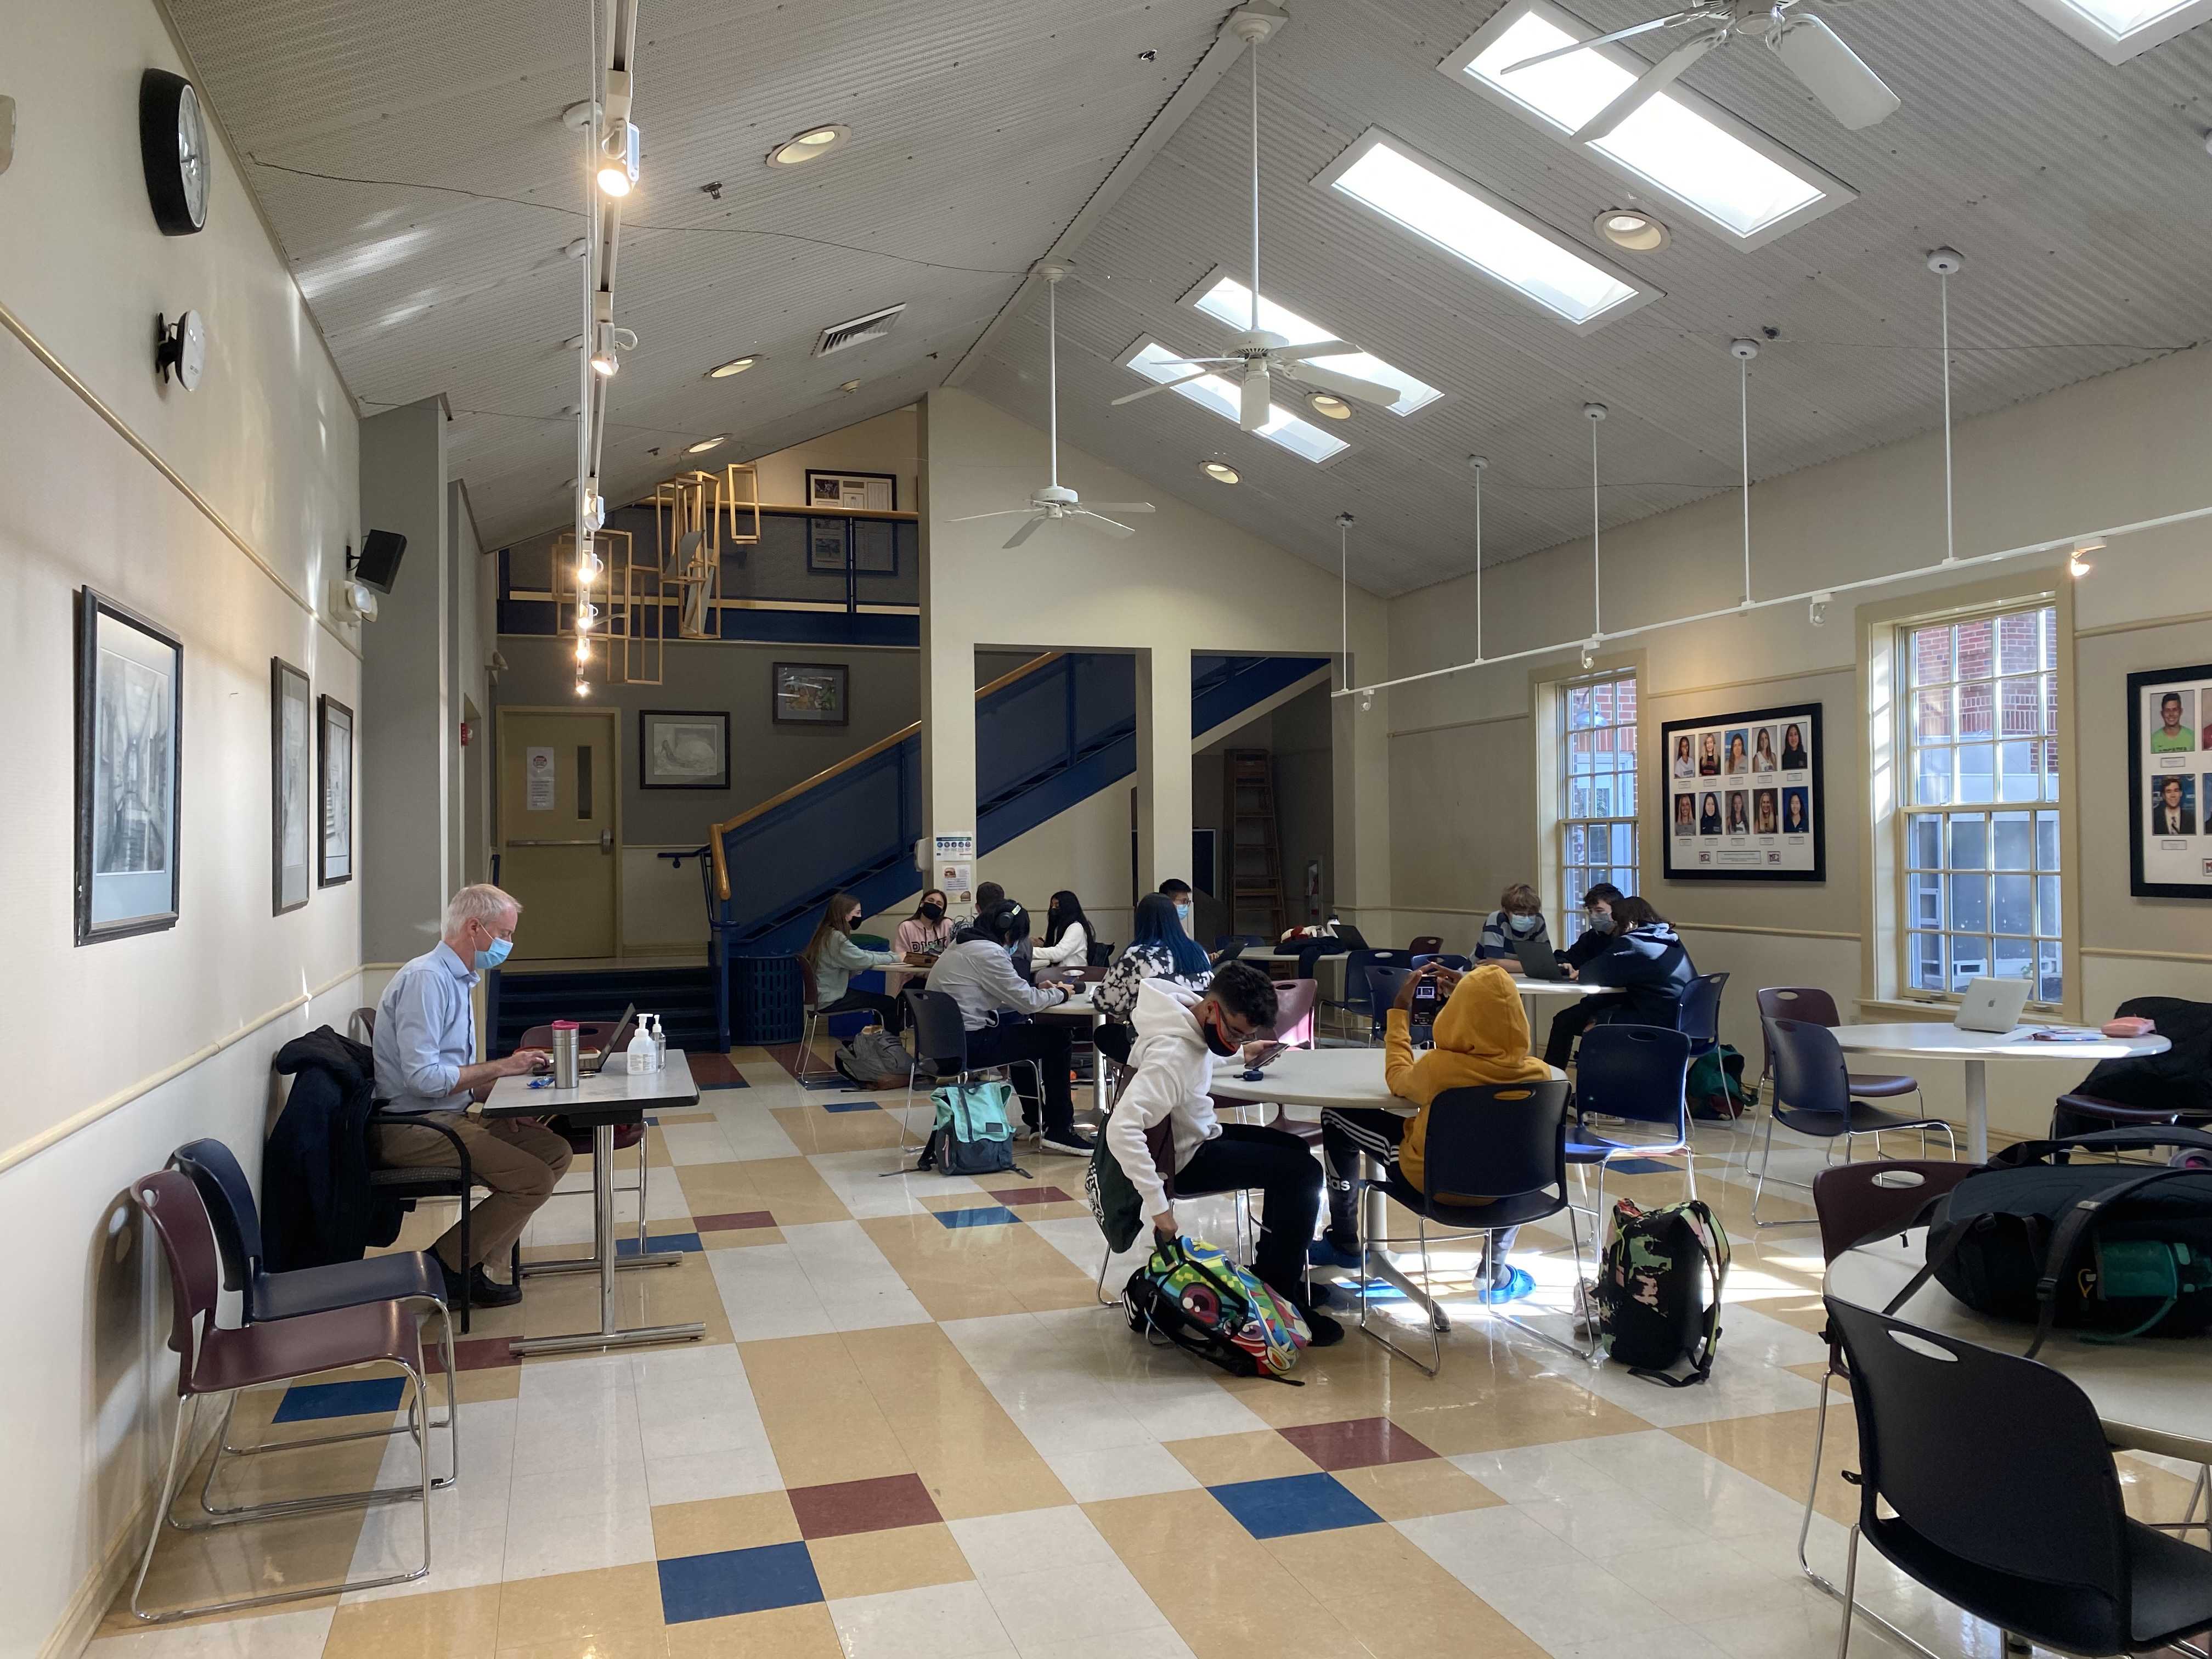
[
  {"x": 2116, "y": 30},
  {"x": 1231, "y": 301},
  {"x": 1302, "y": 437},
  {"x": 1681, "y": 146},
  {"x": 1454, "y": 213}
]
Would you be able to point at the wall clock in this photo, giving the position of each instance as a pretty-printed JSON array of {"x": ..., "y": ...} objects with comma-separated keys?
[
  {"x": 182, "y": 347},
  {"x": 172, "y": 142}
]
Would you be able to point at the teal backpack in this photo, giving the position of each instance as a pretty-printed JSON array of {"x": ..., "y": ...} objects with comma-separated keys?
[{"x": 970, "y": 1136}]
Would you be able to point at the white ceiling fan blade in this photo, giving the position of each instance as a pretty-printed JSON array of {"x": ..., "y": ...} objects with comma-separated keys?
[
  {"x": 1348, "y": 385},
  {"x": 1196, "y": 362},
  {"x": 1255, "y": 399},
  {"x": 1318, "y": 349},
  {"x": 1099, "y": 521},
  {"x": 1160, "y": 385},
  {"x": 1832, "y": 72},
  {"x": 1649, "y": 85},
  {"x": 1004, "y": 513},
  {"x": 1025, "y": 531},
  {"x": 1119, "y": 506},
  {"x": 1630, "y": 33}
]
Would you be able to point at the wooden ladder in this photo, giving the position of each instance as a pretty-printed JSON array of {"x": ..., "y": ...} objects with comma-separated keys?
[{"x": 1256, "y": 859}]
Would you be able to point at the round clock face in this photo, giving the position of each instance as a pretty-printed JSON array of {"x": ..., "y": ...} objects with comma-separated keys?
[
  {"x": 192, "y": 154},
  {"x": 191, "y": 350},
  {"x": 173, "y": 143}
]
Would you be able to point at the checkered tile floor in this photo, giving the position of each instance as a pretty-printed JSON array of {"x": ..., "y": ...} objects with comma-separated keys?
[{"x": 912, "y": 1433}]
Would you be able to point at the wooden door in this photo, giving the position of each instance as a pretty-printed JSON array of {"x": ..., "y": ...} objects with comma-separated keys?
[{"x": 560, "y": 829}]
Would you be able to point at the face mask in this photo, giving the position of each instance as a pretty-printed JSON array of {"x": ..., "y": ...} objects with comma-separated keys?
[
  {"x": 1601, "y": 922},
  {"x": 1013, "y": 948},
  {"x": 494, "y": 954},
  {"x": 1522, "y": 924},
  {"x": 1182, "y": 913},
  {"x": 932, "y": 913},
  {"x": 1214, "y": 1041},
  {"x": 851, "y": 924}
]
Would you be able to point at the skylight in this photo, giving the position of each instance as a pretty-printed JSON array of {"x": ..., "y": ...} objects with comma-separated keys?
[
  {"x": 2116, "y": 30},
  {"x": 1231, "y": 301},
  {"x": 1680, "y": 145},
  {"x": 1302, "y": 437},
  {"x": 1485, "y": 231}
]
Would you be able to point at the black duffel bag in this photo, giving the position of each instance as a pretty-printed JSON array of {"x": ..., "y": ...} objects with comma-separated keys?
[{"x": 2116, "y": 1248}]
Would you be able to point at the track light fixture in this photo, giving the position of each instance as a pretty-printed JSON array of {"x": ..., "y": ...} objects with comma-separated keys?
[
  {"x": 2078, "y": 563},
  {"x": 604, "y": 364},
  {"x": 583, "y": 653},
  {"x": 1366, "y": 701},
  {"x": 1816, "y": 611},
  {"x": 587, "y": 615},
  {"x": 619, "y": 140},
  {"x": 1589, "y": 650},
  {"x": 583, "y": 687}
]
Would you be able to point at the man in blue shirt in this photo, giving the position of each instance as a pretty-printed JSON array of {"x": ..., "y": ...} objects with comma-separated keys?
[{"x": 425, "y": 1049}]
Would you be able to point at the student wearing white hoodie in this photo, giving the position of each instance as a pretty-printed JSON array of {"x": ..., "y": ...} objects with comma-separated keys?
[{"x": 1180, "y": 1035}]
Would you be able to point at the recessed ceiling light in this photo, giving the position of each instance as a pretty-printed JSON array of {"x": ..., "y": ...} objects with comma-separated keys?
[
  {"x": 1639, "y": 232},
  {"x": 1220, "y": 471},
  {"x": 706, "y": 444},
  {"x": 804, "y": 147},
  {"x": 735, "y": 365},
  {"x": 1334, "y": 408}
]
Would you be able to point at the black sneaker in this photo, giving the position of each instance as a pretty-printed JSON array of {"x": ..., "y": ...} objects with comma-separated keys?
[
  {"x": 1327, "y": 1332},
  {"x": 484, "y": 1292},
  {"x": 1070, "y": 1141}
]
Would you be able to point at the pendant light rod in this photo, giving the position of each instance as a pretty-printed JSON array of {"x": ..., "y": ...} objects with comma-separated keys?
[
  {"x": 1946, "y": 263},
  {"x": 1254, "y": 52},
  {"x": 1344, "y": 523},
  {"x": 1481, "y": 464},
  {"x": 1744, "y": 351},
  {"x": 1052, "y": 364},
  {"x": 1596, "y": 413}
]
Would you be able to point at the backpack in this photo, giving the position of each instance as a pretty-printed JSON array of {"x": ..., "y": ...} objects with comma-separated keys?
[
  {"x": 972, "y": 1137},
  {"x": 2119, "y": 1249},
  {"x": 1717, "y": 1090},
  {"x": 1116, "y": 1203},
  {"x": 1196, "y": 1297},
  {"x": 1652, "y": 1307},
  {"x": 874, "y": 1059}
]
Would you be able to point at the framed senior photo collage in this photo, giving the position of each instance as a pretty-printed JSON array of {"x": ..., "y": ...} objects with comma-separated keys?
[
  {"x": 2170, "y": 783},
  {"x": 1745, "y": 800}
]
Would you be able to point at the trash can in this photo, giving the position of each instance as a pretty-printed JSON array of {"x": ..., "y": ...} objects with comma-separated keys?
[{"x": 767, "y": 1003}]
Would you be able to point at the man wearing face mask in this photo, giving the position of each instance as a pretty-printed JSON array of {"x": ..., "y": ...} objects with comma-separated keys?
[
  {"x": 1177, "y": 891},
  {"x": 1597, "y": 928},
  {"x": 1519, "y": 916},
  {"x": 425, "y": 1051}
]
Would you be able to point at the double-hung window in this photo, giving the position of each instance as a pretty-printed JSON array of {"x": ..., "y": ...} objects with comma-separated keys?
[{"x": 1597, "y": 793}]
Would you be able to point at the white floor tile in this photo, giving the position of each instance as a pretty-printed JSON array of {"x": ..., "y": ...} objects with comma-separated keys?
[
  {"x": 1093, "y": 1477},
  {"x": 856, "y": 1283},
  {"x": 1669, "y": 1642},
  {"x": 756, "y": 1134},
  {"x": 691, "y": 1476},
  {"x": 1068, "y": 1602},
  {"x": 736, "y": 1429},
  {"x": 766, "y": 1294},
  {"x": 461, "y": 1555},
  {"x": 540, "y": 1546},
  {"x": 1016, "y": 1546},
  {"x": 1157, "y": 1643},
  {"x": 1570, "y": 1603},
  {"x": 702, "y": 1143},
  {"x": 596, "y": 1488},
  {"x": 863, "y": 1188},
  {"x": 943, "y": 1621},
  {"x": 1705, "y": 1579}
]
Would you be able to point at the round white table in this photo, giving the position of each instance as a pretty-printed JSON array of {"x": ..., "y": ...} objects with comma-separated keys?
[
  {"x": 1929, "y": 1040},
  {"x": 2151, "y": 1394},
  {"x": 1082, "y": 1010}
]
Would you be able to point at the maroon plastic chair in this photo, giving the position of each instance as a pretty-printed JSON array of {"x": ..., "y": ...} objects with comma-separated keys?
[
  {"x": 1295, "y": 1001},
  {"x": 1427, "y": 944},
  {"x": 214, "y": 1362}
]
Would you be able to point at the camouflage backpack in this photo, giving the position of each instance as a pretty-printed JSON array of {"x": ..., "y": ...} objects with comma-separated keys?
[{"x": 1653, "y": 1310}]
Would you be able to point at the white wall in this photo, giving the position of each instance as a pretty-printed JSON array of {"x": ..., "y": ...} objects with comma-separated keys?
[
  {"x": 134, "y": 1045},
  {"x": 889, "y": 443},
  {"x": 2124, "y": 447}
]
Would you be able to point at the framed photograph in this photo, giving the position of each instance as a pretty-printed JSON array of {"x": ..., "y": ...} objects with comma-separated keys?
[
  {"x": 865, "y": 492},
  {"x": 875, "y": 547},
  {"x": 130, "y": 771},
  {"x": 825, "y": 546},
  {"x": 810, "y": 693},
  {"x": 334, "y": 763},
  {"x": 682, "y": 748},
  {"x": 289, "y": 810},
  {"x": 1744, "y": 796},
  {"x": 2170, "y": 783}
]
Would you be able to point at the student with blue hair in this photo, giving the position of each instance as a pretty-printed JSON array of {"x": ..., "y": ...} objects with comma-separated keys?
[{"x": 1158, "y": 949}]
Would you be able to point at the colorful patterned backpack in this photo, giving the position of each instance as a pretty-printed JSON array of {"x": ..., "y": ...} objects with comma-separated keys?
[
  {"x": 1652, "y": 1308},
  {"x": 1195, "y": 1296}
]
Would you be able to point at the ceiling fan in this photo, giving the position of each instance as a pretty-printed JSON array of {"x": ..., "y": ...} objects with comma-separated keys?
[
  {"x": 1808, "y": 49},
  {"x": 1056, "y": 502},
  {"x": 1257, "y": 358}
]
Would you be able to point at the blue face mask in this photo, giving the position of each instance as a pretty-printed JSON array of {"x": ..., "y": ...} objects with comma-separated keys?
[
  {"x": 495, "y": 954},
  {"x": 1182, "y": 913},
  {"x": 1522, "y": 924}
]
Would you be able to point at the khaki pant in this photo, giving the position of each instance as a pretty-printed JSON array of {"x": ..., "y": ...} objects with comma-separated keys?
[{"x": 519, "y": 1161}]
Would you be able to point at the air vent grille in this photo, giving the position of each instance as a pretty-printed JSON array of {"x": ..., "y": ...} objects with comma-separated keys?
[{"x": 858, "y": 331}]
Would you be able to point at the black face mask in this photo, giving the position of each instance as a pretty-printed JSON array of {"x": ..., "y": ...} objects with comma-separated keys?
[
  {"x": 853, "y": 926},
  {"x": 932, "y": 913},
  {"x": 1214, "y": 1041}
]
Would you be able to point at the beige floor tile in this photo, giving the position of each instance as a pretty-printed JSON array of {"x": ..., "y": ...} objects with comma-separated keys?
[
  {"x": 973, "y": 1273},
  {"x": 194, "y": 1569},
  {"x": 719, "y": 1188},
  {"x": 814, "y": 1131},
  {"x": 1406, "y": 1602},
  {"x": 1229, "y": 1580},
  {"x": 640, "y": 1643},
  {"x": 457, "y": 1624},
  {"x": 1218, "y": 1460},
  {"x": 787, "y": 1188},
  {"x": 1310, "y": 1637},
  {"x": 713, "y": 1524},
  {"x": 1167, "y": 1523},
  {"x": 802, "y": 1632},
  {"x": 1776, "y": 1449},
  {"x": 1533, "y": 1411},
  {"x": 1400, "y": 1491},
  {"x": 2153, "y": 1494},
  {"x": 561, "y": 1607},
  {"x": 876, "y": 1563},
  {"x": 476, "y": 1386},
  {"x": 822, "y": 1422}
]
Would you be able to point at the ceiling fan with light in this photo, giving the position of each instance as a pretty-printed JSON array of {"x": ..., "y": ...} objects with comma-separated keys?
[
  {"x": 1056, "y": 503},
  {"x": 1807, "y": 48},
  {"x": 1257, "y": 358}
]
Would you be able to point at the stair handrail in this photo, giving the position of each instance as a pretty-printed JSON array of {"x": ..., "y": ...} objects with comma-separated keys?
[{"x": 716, "y": 832}]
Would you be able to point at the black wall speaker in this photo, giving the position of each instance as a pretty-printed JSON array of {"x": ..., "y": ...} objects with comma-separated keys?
[{"x": 379, "y": 564}]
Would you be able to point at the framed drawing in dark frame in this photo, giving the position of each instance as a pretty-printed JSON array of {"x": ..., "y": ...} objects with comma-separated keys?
[
  {"x": 130, "y": 771},
  {"x": 682, "y": 748},
  {"x": 857, "y": 492},
  {"x": 334, "y": 766},
  {"x": 825, "y": 546},
  {"x": 1742, "y": 796},
  {"x": 809, "y": 694},
  {"x": 290, "y": 776},
  {"x": 2169, "y": 778}
]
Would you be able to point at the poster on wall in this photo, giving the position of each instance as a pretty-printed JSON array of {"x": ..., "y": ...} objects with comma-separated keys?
[
  {"x": 130, "y": 769},
  {"x": 952, "y": 862},
  {"x": 334, "y": 760},
  {"x": 538, "y": 776},
  {"x": 1744, "y": 796},
  {"x": 2170, "y": 783},
  {"x": 682, "y": 748},
  {"x": 289, "y": 812}
]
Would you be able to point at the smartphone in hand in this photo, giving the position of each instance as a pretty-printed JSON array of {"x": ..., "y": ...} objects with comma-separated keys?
[{"x": 1425, "y": 998}]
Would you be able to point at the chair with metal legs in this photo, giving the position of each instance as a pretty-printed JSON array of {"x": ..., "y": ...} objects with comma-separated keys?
[
  {"x": 1639, "y": 1074},
  {"x": 211, "y": 1360},
  {"x": 1815, "y": 1006},
  {"x": 1813, "y": 1096},
  {"x": 1506, "y": 1138},
  {"x": 940, "y": 1038}
]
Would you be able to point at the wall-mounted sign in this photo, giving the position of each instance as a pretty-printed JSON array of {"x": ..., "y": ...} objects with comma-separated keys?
[
  {"x": 2170, "y": 783},
  {"x": 1744, "y": 798},
  {"x": 538, "y": 776}
]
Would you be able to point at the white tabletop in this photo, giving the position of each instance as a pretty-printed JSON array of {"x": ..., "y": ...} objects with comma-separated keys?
[
  {"x": 1946, "y": 1041},
  {"x": 2150, "y": 1394},
  {"x": 1560, "y": 988},
  {"x": 1316, "y": 1078},
  {"x": 1074, "y": 1008},
  {"x": 615, "y": 1087}
]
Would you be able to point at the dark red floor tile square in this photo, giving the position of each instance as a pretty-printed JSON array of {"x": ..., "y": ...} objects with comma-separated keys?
[
  {"x": 1360, "y": 1443},
  {"x": 470, "y": 1353},
  {"x": 1031, "y": 1195},
  {"x": 851, "y": 1506},
  {"x": 734, "y": 1221}
]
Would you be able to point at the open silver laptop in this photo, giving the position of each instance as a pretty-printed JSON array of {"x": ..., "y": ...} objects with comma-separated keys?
[{"x": 1992, "y": 1004}]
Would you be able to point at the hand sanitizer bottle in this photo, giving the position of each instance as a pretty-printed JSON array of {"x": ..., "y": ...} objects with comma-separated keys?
[
  {"x": 659, "y": 1046},
  {"x": 641, "y": 1048}
]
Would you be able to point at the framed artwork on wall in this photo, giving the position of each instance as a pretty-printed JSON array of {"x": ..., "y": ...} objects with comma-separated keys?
[
  {"x": 825, "y": 546},
  {"x": 2170, "y": 783},
  {"x": 867, "y": 492},
  {"x": 289, "y": 810},
  {"x": 130, "y": 771},
  {"x": 334, "y": 761},
  {"x": 682, "y": 748},
  {"x": 809, "y": 694},
  {"x": 1745, "y": 800}
]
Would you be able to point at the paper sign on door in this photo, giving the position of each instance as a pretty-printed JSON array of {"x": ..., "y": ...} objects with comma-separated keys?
[{"x": 537, "y": 774}]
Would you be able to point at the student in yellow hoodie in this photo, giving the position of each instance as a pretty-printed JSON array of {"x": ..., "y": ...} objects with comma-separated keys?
[{"x": 1481, "y": 1038}]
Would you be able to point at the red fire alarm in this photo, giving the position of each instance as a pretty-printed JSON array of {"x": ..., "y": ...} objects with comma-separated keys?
[{"x": 464, "y": 734}]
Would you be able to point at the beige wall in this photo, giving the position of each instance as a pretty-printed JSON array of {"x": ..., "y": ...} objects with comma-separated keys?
[
  {"x": 886, "y": 444},
  {"x": 134, "y": 1045},
  {"x": 2115, "y": 450}
]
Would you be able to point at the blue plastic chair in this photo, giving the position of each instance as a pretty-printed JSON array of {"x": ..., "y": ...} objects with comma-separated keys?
[
  {"x": 1700, "y": 1016},
  {"x": 1640, "y": 1075},
  {"x": 1457, "y": 964}
]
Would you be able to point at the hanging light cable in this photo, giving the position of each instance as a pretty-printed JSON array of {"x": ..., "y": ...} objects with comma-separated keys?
[
  {"x": 1344, "y": 522},
  {"x": 1946, "y": 263},
  {"x": 1596, "y": 413},
  {"x": 1481, "y": 464},
  {"x": 1744, "y": 351}
]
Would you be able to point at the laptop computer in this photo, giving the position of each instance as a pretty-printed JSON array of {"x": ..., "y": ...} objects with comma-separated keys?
[
  {"x": 1229, "y": 953},
  {"x": 1537, "y": 961},
  {"x": 1991, "y": 1005},
  {"x": 593, "y": 1064},
  {"x": 1351, "y": 938}
]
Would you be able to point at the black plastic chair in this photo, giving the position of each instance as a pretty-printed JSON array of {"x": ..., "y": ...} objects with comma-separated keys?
[
  {"x": 1813, "y": 1095},
  {"x": 1508, "y": 1139},
  {"x": 410, "y": 1276},
  {"x": 2004, "y": 1498},
  {"x": 1458, "y": 964},
  {"x": 1639, "y": 1074},
  {"x": 1384, "y": 983},
  {"x": 940, "y": 1036},
  {"x": 1815, "y": 1006},
  {"x": 1700, "y": 1016}
]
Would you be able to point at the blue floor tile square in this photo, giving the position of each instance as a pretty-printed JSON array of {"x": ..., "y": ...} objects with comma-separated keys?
[
  {"x": 986, "y": 1215},
  {"x": 368, "y": 1396},
  {"x": 736, "y": 1581},
  {"x": 850, "y": 1106},
  {"x": 660, "y": 1242},
  {"x": 1293, "y": 1503}
]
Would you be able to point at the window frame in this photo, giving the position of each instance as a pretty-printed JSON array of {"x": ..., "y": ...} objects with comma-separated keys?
[
  {"x": 1568, "y": 891},
  {"x": 2078, "y": 26}
]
